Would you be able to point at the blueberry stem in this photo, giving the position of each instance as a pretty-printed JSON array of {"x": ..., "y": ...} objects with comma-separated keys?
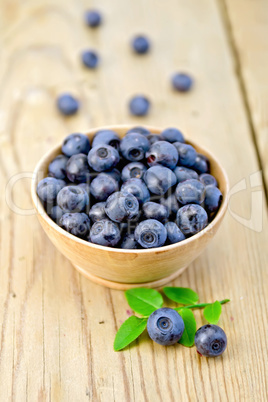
[{"x": 201, "y": 305}]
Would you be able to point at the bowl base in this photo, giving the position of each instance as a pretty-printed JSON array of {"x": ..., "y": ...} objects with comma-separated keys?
[{"x": 124, "y": 286}]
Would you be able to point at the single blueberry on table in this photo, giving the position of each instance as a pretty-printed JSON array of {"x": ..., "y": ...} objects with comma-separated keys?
[
  {"x": 165, "y": 326},
  {"x": 159, "y": 179},
  {"x": 182, "y": 82},
  {"x": 133, "y": 170},
  {"x": 121, "y": 206},
  {"x": 138, "y": 188},
  {"x": 90, "y": 59},
  {"x": 77, "y": 169},
  {"x": 75, "y": 144},
  {"x": 56, "y": 213},
  {"x": 139, "y": 130},
  {"x": 150, "y": 233},
  {"x": 67, "y": 104},
  {"x": 106, "y": 137},
  {"x": 93, "y": 18},
  {"x": 208, "y": 180},
  {"x": 103, "y": 157},
  {"x": 134, "y": 146},
  {"x": 129, "y": 241},
  {"x": 153, "y": 210},
  {"x": 72, "y": 199},
  {"x": 76, "y": 223},
  {"x": 48, "y": 189},
  {"x": 102, "y": 186},
  {"x": 171, "y": 203},
  {"x": 174, "y": 234},
  {"x": 183, "y": 173},
  {"x": 213, "y": 198},
  {"x": 97, "y": 212},
  {"x": 191, "y": 219},
  {"x": 172, "y": 134},
  {"x": 210, "y": 340},
  {"x": 105, "y": 233},
  {"x": 57, "y": 168},
  {"x": 187, "y": 154},
  {"x": 139, "y": 105},
  {"x": 190, "y": 191},
  {"x": 201, "y": 164},
  {"x": 163, "y": 153},
  {"x": 140, "y": 44}
]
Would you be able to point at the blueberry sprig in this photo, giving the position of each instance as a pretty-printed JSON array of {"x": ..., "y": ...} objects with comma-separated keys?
[{"x": 167, "y": 326}]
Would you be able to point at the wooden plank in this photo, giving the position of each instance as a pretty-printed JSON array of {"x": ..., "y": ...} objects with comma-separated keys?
[
  {"x": 53, "y": 344},
  {"x": 248, "y": 30}
]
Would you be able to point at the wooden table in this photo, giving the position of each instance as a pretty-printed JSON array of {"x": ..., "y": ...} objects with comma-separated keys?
[{"x": 57, "y": 328}]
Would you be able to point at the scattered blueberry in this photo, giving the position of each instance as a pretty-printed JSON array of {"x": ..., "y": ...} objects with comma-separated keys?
[
  {"x": 140, "y": 44},
  {"x": 103, "y": 157},
  {"x": 67, "y": 104},
  {"x": 93, "y": 18},
  {"x": 184, "y": 173},
  {"x": 133, "y": 170},
  {"x": 106, "y": 137},
  {"x": 97, "y": 212},
  {"x": 72, "y": 199},
  {"x": 159, "y": 179},
  {"x": 75, "y": 144},
  {"x": 172, "y": 134},
  {"x": 190, "y": 191},
  {"x": 165, "y": 326},
  {"x": 102, "y": 186},
  {"x": 191, "y": 219},
  {"x": 187, "y": 154},
  {"x": 163, "y": 153},
  {"x": 129, "y": 242},
  {"x": 210, "y": 340},
  {"x": 77, "y": 169},
  {"x": 174, "y": 234},
  {"x": 153, "y": 210},
  {"x": 48, "y": 189},
  {"x": 208, "y": 180},
  {"x": 213, "y": 198},
  {"x": 139, "y": 130},
  {"x": 182, "y": 82},
  {"x": 150, "y": 233},
  {"x": 90, "y": 58},
  {"x": 139, "y": 105},
  {"x": 134, "y": 146},
  {"x": 138, "y": 188},
  {"x": 121, "y": 206},
  {"x": 105, "y": 233},
  {"x": 201, "y": 164},
  {"x": 57, "y": 168},
  {"x": 76, "y": 223}
]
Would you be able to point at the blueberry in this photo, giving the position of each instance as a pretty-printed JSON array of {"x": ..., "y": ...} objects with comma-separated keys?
[
  {"x": 134, "y": 146},
  {"x": 190, "y": 191},
  {"x": 86, "y": 187},
  {"x": 57, "y": 168},
  {"x": 48, "y": 189},
  {"x": 133, "y": 170},
  {"x": 150, "y": 233},
  {"x": 97, "y": 212},
  {"x": 77, "y": 169},
  {"x": 105, "y": 233},
  {"x": 93, "y": 18},
  {"x": 210, "y": 340},
  {"x": 183, "y": 173},
  {"x": 171, "y": 203},
  {"x": 187, "y": 154},
  {"x": 140, "y": 44},
  {"x": 159, "y": 179},
  {"x": 153, "y": 210},
  {"x": 75, "y": 144},
  {"x": 165, "y": 326},
  {"x": 191, "y": 219},
  {"x": 103, "y": 157},
  {"x": 76, "y": 223},
  {"x": 67, "y": 104},
  {"x": 106, "y": 137},
  {"x": 208, "y": 180},
  {"x": 129, "y": 242},
  {"x": 201, "y": 164},
  {"x": 72, "y": 199},
  {"x": 163, "y": 153},
  {"x": 182, "y": 82},
  {"x": 90, "y": 59},
  {"x": 139, "y": 130},
  {"x": 115, "y": 173},
  {"x": 121, "y": 206},
  {"x": 138, "y": 188},
  {"x": 172, "y": 134},
  {"x": 102, "y": 186},
  {"x": 174, "y": 234},
  {"x": 152, "y": 138},
  {"x": 213, "y": 198},
  {"x": 56, "y": 213},
  {"x": 139, "y": 105}
]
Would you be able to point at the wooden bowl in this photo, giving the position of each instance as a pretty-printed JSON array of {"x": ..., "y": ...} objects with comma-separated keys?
[{"x": 123, "y": 269}]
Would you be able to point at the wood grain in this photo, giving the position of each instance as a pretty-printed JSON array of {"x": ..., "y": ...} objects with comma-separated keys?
[{"x": 57, "y": 328}]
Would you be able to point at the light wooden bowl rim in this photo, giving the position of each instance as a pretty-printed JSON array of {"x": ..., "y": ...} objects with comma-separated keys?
[{"x": 40, "y": 209}]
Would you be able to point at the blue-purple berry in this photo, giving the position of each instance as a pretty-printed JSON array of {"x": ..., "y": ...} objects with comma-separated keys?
[
  {"x": 162, "y": 153},
  {"x": 210, "y": 340},
  {"x": 57, "y": 168},
  {"x": 140, "y": 44},
  {"x": 120, "y": 206},
  {"x": 172, "y": 134},
  {"x": 67, "y": 104},
  {"x": 76, "y": 223},
  {"x": 159, "y": 179},
  {"x": 165, "y": 326},
  {"x": 105, "y": 233},
  {"x": 90, "y": 59},
  {"x": 182, "y": 82},
  {"x": 174, "y": 234},
  {"x": 77, "y": 169},
  {"x": 134, "y": 146},
  {"x": 72, "y": 199},
  {"x": 191, "y": 219},
  {"x": 133, "y": 170},
  {"x": 208, "y": 180},
  {"x": 213, "y": 198},
  {"x": 190, "y": 191},
  {"x": 48, "y": 189},
  {"x": 102, "y": 186},
  {"x": 103, "y": 157},
  {"x": 139, "y": 105},
  {"x": 153, "y": 210},
  {"x": 183, "y": 173},
  {"x": 75, "y": 144},
  {"x": 150, "y": 233},
  {"x": 138, "y": 188},
  {"x": 187, "y": 154},
  {"x": 106, "y": 137},
  {"x": 93, "y": 18}
]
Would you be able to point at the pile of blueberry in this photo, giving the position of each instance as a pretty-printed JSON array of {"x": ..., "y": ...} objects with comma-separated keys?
[
  {"x": 139, "y": 105},
  {"x": 142, "y": 191}
]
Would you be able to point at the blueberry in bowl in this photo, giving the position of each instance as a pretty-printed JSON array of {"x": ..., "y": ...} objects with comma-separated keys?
[{"x": 121, "y": 222}]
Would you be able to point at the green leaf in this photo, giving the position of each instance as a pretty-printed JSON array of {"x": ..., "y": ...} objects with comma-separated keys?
[
  {"x": 129, "y": 331},
  {"x": 187, "y": 338},
  {"x": 144, "y": 301},
  {"x": 212, "y": 312},
  {"x": 181, "y": 295}
]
